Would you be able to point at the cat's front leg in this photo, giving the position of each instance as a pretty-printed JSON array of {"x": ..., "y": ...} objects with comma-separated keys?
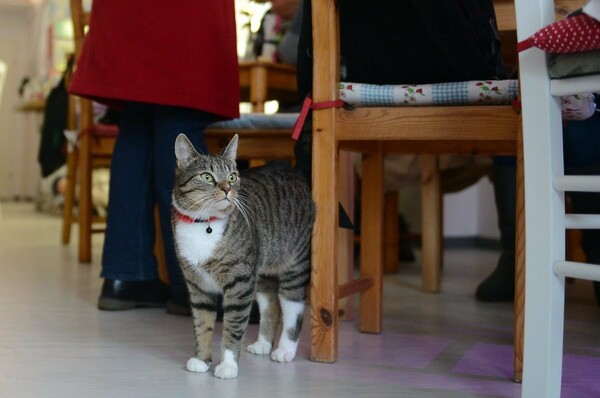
[
  {"x": 204, "y": 314},
  {"x": 236, "y": 313}
]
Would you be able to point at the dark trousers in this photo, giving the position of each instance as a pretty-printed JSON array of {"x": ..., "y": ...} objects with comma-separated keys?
[{"x": 142, "y": 175}]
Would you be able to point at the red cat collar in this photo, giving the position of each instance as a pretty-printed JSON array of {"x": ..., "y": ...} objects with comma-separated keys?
[{"x": 190, "y": 220}]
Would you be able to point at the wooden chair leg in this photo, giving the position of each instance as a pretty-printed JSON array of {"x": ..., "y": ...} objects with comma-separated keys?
[
  {"x": 391, "y": 234},
  {"x": 324, "y": 282},
  {"x": 371, "y": 257},
  {"x": 519, "y": 303},
  {"x": 324, "y": 252},
  {"x": 85, "y": 201},
  {"x": 69, "y": 205},
  {"x": 432, "y": 228}
]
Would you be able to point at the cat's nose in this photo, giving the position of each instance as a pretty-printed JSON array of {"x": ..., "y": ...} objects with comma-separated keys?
[{"x": 225, "y": 188}]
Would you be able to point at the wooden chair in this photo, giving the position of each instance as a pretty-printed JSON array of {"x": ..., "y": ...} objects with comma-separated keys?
[
  {"x": 93, "y": 149},
  {"x": 429, "y": 131},
  {"x": 546, "y": 218}
]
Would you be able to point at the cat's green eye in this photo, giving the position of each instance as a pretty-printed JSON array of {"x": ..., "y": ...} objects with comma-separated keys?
[
  {"x": 232, "y": 178},
  {"x": 207, "y": 177}
]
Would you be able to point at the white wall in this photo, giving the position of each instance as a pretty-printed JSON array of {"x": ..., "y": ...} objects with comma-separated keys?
[
  {"x": 26, "y": 48},
  {"x": 471, "y": 212},
  {"x": 19, "y": 132},
  {"x": 468, "y": 213}
]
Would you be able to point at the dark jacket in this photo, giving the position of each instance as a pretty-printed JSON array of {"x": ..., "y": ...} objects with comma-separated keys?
[{"x": 411, "y": 41}]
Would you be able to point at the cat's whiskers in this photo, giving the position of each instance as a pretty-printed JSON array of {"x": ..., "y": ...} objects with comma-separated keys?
[
  {"x": 242, "y": 206},
  {"x": 243, "y": 212},
  {"x": 204, "y": 211},
  {"x": 199, "y": 212}
]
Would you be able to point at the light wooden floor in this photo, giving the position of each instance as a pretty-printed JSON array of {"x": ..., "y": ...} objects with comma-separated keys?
[{"x": 55, "y": 343}]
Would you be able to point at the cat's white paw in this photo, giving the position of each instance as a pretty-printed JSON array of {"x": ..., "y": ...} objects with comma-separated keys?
[
  {"x": 283, "y": 355},
  {"x": 260, "y": 348},
  {"x": 196, "y": 365},
  {"x": 226, "y": 370}
]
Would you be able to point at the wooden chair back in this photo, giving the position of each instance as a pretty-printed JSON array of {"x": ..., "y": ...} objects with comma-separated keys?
[{"x": 90, "y": 151}]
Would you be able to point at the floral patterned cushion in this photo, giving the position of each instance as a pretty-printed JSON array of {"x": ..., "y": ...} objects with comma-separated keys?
[
  {"x": 476, "y": 92},
  {"x": 490, "y": 92},
  {"x": 578, "y": 107}
]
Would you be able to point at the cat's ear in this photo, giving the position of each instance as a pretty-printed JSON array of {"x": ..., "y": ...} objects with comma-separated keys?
[
  {"x": 184, "y": 150},
  {"x": 231, "y": 151}
]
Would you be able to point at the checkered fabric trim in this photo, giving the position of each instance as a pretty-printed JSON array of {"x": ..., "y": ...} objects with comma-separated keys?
[
  {"x": 513, "y": 88},
  {"x": 377, "y": 95},
  {"x": 450, "y": 93}
]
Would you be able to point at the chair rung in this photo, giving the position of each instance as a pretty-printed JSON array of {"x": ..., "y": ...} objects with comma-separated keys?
[
  {"x": 582, "y": 221},
  {"x": 575, "y": 85},
  {"x": 577, "y": 183},
  {"x": 577, "y": 270},
  {"x": 355, "y": 286}
]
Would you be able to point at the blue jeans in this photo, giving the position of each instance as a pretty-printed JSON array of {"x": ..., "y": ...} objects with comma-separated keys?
[{"x": 142, "y": 174}]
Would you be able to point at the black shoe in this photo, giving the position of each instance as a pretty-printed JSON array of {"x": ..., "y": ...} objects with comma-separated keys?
[
  {"x": 179, "y": 304},
  {"x": 118, "y": 295},
  {"x": 500, "y": 285}
]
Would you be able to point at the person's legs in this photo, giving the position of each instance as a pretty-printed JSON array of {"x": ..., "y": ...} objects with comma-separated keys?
[
  {"x": 169, "y": 122},
  {"x": 500, "y": 284},
  {"x": 128, "y": 263},
  {"x": 129, "y": 239}
]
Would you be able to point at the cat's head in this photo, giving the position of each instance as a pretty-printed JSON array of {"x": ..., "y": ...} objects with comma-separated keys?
[{"x": 205, "y": 185}]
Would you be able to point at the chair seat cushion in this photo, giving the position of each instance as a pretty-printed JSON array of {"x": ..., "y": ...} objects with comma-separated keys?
[
  {"x": 258, "y": 121},
  {"x": 106, "y": 130},
  {"x": 574, "y": 64},
  {"x": 476, "y": 92},
  {"x": 578, "y": 107},
  {"x": 491, "y": 92}
]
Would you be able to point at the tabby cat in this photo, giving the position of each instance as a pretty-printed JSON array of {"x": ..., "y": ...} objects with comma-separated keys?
[{"x": 239, "y": 237}]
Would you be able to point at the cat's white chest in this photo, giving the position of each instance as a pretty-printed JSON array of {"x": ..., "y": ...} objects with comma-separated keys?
[{"x": 195, "y": 243}]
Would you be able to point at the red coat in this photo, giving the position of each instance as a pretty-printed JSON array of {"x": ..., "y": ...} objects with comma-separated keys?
[{"x": 180, "y": 53}]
